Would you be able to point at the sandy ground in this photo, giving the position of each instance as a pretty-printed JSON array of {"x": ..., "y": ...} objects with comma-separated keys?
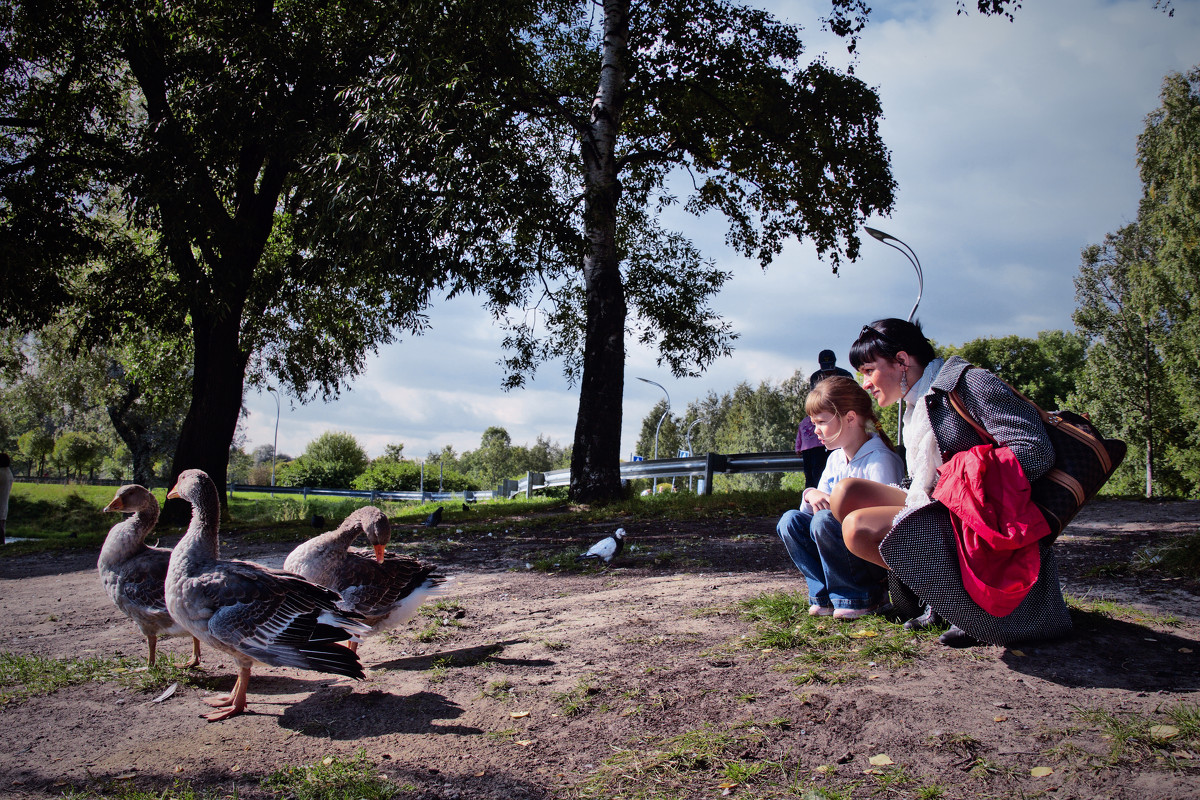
[{"x": 644, "y": 652}]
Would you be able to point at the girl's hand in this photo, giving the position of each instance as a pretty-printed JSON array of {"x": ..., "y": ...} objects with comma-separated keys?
[{"x": 817, "y": 499}]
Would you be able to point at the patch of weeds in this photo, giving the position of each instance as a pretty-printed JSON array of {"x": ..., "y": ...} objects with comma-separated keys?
[
  {"x": 813, "y": 675},
  {"x": 123, "y": 790},
  {"x": 748, "y": 697},
  {"x": 576, "y": 700},
  {"x": 781, "y": 622},
  {"x": 443, "y": 615},
  {"x": 1133, "y": 736},
  {"x": 685, "y": 765},
  {"x": 554, "y": 645},
  {"x": 332, "y": 778},
  {"x": 1108, "y": 608},
  {"x": 964, "y": 744},
  {"x": 23, "y": 676},
  {"x": 1111, "y": 569},
  {"x": 931, "y": 792},
  {"x": 501, "y": 690},
  {"x": 558, "y": 561},
  {"x": 440, "y": 670},
  {"x": 892, "y": 779},
  {"x": 503, "y": 735},
  {"x": 1179, "y": 557}
]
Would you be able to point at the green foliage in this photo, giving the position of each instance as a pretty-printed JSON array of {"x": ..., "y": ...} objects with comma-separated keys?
[
  {"x": 338, "y": 447},
  {"x": 35, "y": 447},
  {"x": 1045, "y": 369},
  {"x": 23, "y": 676},
  {"x": 81, "y": 452},
  {"x": 385, "y": 475},
  {"x": 332, "y": 778}
]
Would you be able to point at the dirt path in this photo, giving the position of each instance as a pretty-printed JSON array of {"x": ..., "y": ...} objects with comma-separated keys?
[{"x": 543, "y": 682}]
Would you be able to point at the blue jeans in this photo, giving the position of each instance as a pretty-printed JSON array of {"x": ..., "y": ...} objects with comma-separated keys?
[{"x": 836, "y": 577}]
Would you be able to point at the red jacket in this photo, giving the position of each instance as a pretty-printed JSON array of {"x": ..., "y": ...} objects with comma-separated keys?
[{"x": 996, "y": 525}]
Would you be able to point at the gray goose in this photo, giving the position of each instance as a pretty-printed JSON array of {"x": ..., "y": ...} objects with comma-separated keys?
[
  {"x": 251, "y": 612},
  {"x": 133, "y": 573},
  {"x": 386, "y": 590}
]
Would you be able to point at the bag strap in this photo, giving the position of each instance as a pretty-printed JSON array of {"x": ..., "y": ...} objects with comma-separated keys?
[{"x": 958, "y": 405}]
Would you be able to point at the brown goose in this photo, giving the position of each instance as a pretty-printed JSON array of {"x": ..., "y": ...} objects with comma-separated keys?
[
  {"x": 386, "y": 590},
  {"x": 133, "y": 573},
  {"x": 249, "y": 611}
]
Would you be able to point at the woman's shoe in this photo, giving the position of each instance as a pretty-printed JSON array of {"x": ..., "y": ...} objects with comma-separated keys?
[
  {"x": 957, "y": 637},
  {"x": 929, "y": 619}
]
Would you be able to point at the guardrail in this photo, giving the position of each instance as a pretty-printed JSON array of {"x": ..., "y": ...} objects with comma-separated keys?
[
  {"x": 374, "y": 496},
  {"x": 703, "y": 467}
]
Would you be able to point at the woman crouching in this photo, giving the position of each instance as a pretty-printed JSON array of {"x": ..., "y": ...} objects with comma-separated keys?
[{"x": 970, "y": 543}]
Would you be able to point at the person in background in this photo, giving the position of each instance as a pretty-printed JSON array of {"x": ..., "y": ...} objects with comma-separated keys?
[
  {"x": 807, "y": 444},
  {"x": 6, "y": 482},
  {"x": 840, "y": 584}
]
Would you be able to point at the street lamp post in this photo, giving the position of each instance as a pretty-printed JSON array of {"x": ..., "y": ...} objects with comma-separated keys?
[
  {"x": 688, "y": 438},
  {"x": 660, "y": 420},
  {"x": 910, "y": 254},
  {"x": 275, "y": 441}
]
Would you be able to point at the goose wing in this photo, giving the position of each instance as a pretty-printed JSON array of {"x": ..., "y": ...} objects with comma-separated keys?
[
  {"x": 373, "y": 589},
  {"x": 276, "y": 618}
]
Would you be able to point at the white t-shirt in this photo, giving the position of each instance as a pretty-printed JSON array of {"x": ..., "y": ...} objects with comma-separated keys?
[{"x": 874, "y": 461}]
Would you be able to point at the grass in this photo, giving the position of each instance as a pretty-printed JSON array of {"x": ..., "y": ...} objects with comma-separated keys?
[
  {"x": 1133, "y": 736},
  {"x": 331, "y": 778},
  {"x": 829, "y": 651},
  {"x": 443, "y": 615},
  {"x": 576, "y": 700},
  {"x": 25, "y": 676},
  {"x": 689, "y": 764},
  {"x": 56, "y": 516}
]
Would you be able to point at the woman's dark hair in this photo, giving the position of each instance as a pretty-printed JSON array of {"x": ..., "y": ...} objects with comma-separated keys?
[
  {"x": 4, "y": 460},
  {"x": 884, "y": 338}
]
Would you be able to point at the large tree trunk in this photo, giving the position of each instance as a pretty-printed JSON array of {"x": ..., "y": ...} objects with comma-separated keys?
[
  {"x": 208, "y": 428},
  {"x": 595, "y": 459}
]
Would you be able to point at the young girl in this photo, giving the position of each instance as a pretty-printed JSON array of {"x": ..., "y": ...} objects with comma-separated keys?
[{"x": 840, "y": 584}]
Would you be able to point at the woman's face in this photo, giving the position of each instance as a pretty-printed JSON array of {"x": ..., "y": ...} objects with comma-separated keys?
[{"x": 881, "y": 378}]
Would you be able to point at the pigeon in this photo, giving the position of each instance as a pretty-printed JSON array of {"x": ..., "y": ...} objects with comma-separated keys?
[
  {"x": 433, "y": 519},
  {"x": 605, "y": 549}
]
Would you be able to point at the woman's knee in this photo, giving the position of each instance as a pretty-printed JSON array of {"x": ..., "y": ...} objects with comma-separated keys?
[{"x": 848, "y": 495}]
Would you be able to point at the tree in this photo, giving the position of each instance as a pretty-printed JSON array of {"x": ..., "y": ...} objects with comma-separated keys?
[
  {"x": 713, "y": 90},
  {"x": 35, "y": 447},
  {"x": 1045, "y": 369},
  {"x": 78, "y": 451},
  {"x": 189, "y": 168},
  {"x": 332, "y": 461},
  {"x": 1124, "y": 385},
  {"x": 1169, "y": 164}
]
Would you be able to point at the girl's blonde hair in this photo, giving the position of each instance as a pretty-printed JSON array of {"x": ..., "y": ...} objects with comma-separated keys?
[{"x": 839, "y": 395}]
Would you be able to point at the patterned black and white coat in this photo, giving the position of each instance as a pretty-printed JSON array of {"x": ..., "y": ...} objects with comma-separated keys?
[{"x": 921, "y": 550}]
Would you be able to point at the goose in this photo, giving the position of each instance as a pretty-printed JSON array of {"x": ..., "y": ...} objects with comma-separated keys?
[
  {"x": 251, "y": 612},
  {"x": 386, "y": 590},
  {"x": 133, "y": 573}
]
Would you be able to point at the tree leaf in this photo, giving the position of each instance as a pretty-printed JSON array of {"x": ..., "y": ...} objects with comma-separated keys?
[
  {"x": 881, "y": 760},
  {"x": 1041, "y": 772}
]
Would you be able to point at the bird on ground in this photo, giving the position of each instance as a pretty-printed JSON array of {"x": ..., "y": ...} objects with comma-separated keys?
[
  {"x": 249, "y": 611},
  {"x": 606, "y": 549},
  {"x": 434, "y": 519},
  {"x": 386, "y": 589},
  {"x": 133, "y": 573}
]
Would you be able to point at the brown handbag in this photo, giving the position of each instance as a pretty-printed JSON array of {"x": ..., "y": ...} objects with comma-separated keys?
[{"x": 1083, "y": 460}]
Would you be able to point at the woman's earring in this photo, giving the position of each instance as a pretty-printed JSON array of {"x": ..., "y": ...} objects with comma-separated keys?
[{"x": 904, "y": 382}]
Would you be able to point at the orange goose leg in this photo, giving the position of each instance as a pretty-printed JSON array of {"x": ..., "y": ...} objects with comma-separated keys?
[{"x": 235, "y": 702}]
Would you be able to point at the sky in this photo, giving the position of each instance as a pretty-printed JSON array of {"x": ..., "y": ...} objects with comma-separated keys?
[{"x": 1013, "y": 147}]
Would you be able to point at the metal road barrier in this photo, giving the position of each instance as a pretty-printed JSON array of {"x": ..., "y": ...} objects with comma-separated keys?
[{"x": 703, "y": 467}]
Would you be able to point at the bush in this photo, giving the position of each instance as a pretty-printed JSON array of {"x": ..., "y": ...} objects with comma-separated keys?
[
  {"x": 305, "y": 471},
  {"x": 386, "y": 475}
]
